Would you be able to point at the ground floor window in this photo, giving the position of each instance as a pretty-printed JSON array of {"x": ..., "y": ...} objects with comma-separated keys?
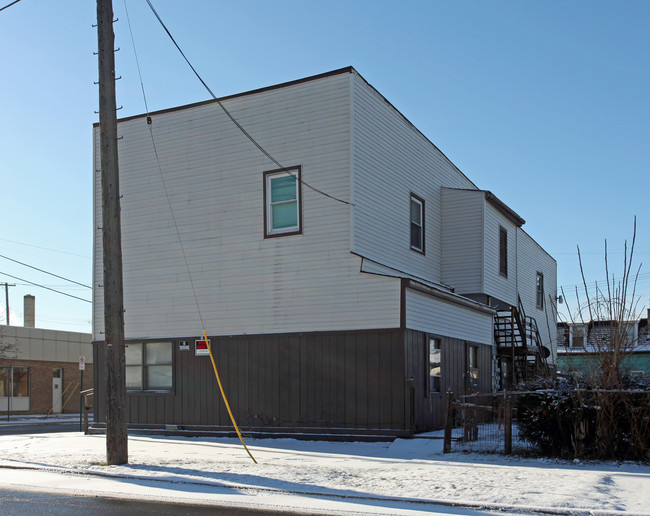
[
  {"x": 14, "y": 382},
  {"x": 435, "y": 365},
  {"x": 473, "y": 364},
  {"x": 149, "y": 366}
]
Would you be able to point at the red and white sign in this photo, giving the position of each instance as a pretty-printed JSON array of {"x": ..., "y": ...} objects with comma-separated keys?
[
  {"x": 82, "y": 363},
  {"x": 201, "y": 348}
]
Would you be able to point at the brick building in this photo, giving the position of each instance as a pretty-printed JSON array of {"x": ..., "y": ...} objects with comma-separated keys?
[{"x": 40, "y": 369}]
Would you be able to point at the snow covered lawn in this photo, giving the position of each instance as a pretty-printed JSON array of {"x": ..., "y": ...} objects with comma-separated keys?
[{"x": 404, "y": 477}]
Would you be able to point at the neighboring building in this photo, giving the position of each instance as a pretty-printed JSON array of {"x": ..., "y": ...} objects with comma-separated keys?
[
  {"x": 580, "y": 346},
  {"x": 344, "y": 291},
  {"x": 39, "y": 368}
]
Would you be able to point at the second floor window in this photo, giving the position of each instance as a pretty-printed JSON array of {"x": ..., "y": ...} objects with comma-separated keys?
[
  {"x": 503, "y": 251},
  {"x": 282, "y": 202},
  {"x": 539, "y": 290},
  {"x": 417, "y": 223}
]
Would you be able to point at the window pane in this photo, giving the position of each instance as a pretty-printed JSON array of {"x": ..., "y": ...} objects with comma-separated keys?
[
  {"x": 4, "y": 381},
  {"x": 159, "y": 353},
  {"x": 133, "y": 354},
  {"x": 134, "y": 377},
  {"x": 283, "y": 188},
  {"x": 416, "y": 236},
  {"x": 435, "y": 362},
  {"x": 284, "y": 215},
  {"x": 159, "y": 377},
  {"x": 21, "y": 382},
  {"x": 416, "y": 212}
]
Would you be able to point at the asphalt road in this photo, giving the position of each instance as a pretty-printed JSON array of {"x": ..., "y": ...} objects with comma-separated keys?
[{"x": 27, "y": 503}]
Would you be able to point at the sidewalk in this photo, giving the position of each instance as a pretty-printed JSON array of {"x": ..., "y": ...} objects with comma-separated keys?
[{"x": 408, "y": 476}]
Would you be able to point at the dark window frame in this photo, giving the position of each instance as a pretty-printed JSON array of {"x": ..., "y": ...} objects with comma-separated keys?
[
  {"x": 433, "y": 381},
  {"x": 503, "y": 251},
  {"x": 473, "y": 368},
  {"x": 539, "y": 290},
  {"x": 269, "y": 232},
  {"x": 420, "y": 201},
  {"x": 144, "y": 387},
  {"x": 12, "y": 387}
]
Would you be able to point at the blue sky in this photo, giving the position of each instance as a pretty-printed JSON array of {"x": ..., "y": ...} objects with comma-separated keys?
[{"x": 546, "y": 104}]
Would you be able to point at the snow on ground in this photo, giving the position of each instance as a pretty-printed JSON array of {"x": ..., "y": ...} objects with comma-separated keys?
[{"x": 408, "y": 476}]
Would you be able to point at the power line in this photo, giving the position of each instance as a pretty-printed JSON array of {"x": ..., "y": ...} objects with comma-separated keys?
[
  {"x": 162, "y": 177},
  {"x": 234, "y": 120},
  {"x": 9, "y": 5},
  {"x": 47, "y": 288},
  {"x": 45, "y": 272},
  {"x": 45, "y": 248}
]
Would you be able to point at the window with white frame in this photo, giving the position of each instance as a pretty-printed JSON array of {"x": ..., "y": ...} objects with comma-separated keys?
[
  {"x": 539, "y": 290},
  {"x": 417, "y": 223},
  {"x": 282, "y": 203},
  {"x": 149, "y": 366},
  {"x": 435, "y": 365}
]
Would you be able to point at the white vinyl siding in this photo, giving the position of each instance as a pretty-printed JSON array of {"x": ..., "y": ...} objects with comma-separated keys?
[
  {"x": 432, "y": 315},
  {"x": 462, "y": 240},
  {"x": 392, "y": 159},
  {"x": 243, "y": 282},
  {"x": 533, "y": 259},
  {"x": 495, "y": 284}
]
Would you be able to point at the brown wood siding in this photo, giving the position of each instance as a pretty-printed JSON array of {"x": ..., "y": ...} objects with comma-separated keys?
[
  {"x": 429, "y": 407},
  {"x": 319, "y": 380}
]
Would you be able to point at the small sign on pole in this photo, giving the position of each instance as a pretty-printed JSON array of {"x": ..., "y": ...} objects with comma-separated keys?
[{"x": 82, "y": 363}]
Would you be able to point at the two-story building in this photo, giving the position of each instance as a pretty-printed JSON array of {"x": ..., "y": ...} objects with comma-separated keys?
[{"x": 344, "y": 287}]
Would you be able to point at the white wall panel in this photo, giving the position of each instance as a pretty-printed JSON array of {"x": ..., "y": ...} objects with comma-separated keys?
[
  {"x": 462, "y": 240},
  {"x": 496, "y": 285},
  {"x": 533, "y": 259},
  {"x": 243, "y": 282},
  {"x": 391, "y": 160},
  {"x": 432, "y": 315}
]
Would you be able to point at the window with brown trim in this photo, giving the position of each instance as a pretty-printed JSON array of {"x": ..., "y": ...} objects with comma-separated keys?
[
  {"x": 417, "y": 223},
  {"x": 435, "y": 365},
  {"x": 282, "y": 202},
  {"x": 149, "y": 366},
  {"x": 503, "y": 251},
  {"x": 473, "y": 364},
  {"x": 539, "y": 290}
]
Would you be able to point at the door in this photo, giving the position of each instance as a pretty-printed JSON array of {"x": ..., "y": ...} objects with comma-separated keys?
[{"x": 57, "y": 390}]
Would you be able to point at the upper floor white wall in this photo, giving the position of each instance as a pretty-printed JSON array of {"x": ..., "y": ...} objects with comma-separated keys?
[
  {"x": 533, "y": 260},
  {"x": 391, "y": 159},
  {"x": 240, "y": 281}
]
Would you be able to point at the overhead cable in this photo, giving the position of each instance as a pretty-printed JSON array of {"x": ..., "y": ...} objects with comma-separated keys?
[
  {"x": 45, "y": 272},
  {"x": 233, "y": 119},
  {"x": 47, "y": 288},
  {"x": 9, "y": 5}
]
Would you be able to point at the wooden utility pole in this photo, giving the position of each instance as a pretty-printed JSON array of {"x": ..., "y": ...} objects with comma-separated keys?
[
  {"x": 7, "y": 285},
  {"x": 116, "y": 431}
]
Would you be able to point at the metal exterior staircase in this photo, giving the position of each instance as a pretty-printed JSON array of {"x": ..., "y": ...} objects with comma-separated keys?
[{"x": 519, "y": 346}]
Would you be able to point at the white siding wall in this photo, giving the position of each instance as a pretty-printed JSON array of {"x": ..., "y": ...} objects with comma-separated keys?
[
  {"x": 244, "y": 283},
  {"x": 433, "y": 315},
  {"x": 533, "y": 259},
  {"x": 391, "y": 159},
  {"x": 495, "y": 284},
  {"x": 462, "y": 240}
]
